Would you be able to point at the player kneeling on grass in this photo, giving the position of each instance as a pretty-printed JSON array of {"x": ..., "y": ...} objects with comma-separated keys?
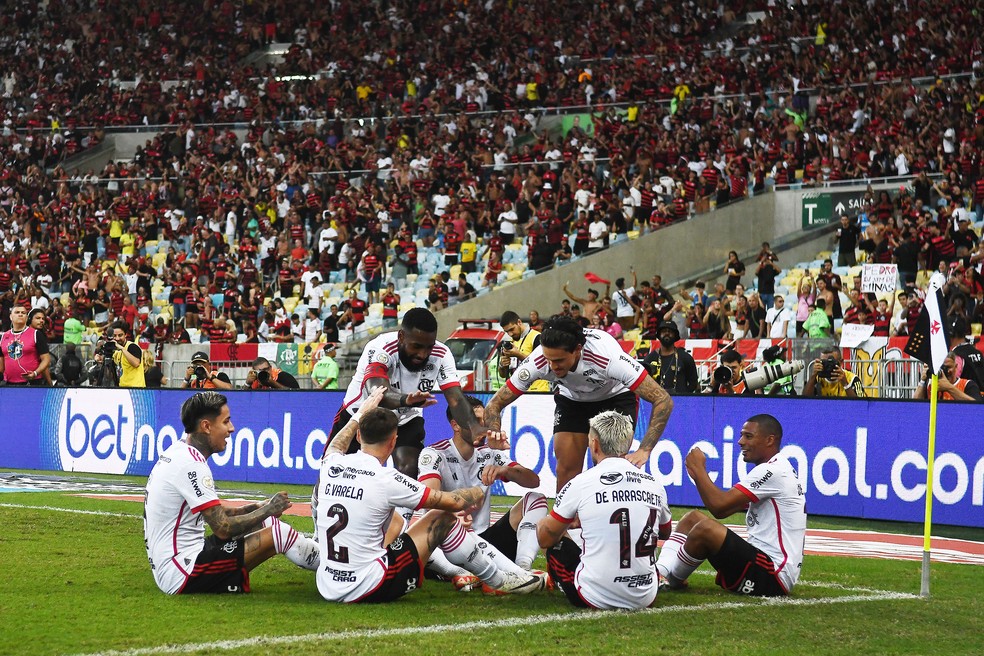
[
  {"x": 357, "y": 497},
  {"x": 769, "y": 563},
  {"x": 459, "y": 463},
  {"x": 181, "y": 492},
  {"x": 621, "y": 509}
]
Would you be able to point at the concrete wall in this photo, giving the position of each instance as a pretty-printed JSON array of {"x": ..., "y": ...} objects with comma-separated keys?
[{"x": 677, "y": 253}]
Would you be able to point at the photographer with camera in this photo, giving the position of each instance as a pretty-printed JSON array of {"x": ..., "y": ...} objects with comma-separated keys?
[
  {"x": 200, "y": 374},
  {"x": 126, "y": 355},
  {"x": 100, "y": 370},
  {"x": 728, "y": 377},
  {"x": 519, "y": 342},
  {"x": 264, "y": 376},
  {"x": 828, "y": 378}
]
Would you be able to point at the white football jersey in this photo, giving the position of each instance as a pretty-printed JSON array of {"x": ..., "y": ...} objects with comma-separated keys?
[
  {"x": 776, "y": 517},
  {"x": 443, "y": 461},
  {"x": 179, "y": 487},
  {"x": 356, "y": 499},
  {"x": 621, "y": 509},
  {"x": 381, "y": 359},
  {"x": 603, "y": 371}
]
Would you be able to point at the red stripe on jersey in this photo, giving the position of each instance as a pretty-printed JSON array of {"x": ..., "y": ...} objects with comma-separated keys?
[
  {"x": 513, "y": 388},
  {"x": 782, "y": 546},
  {"x": 425, "y": 477},
  {"x": 209, "y": 504},
  {"x": 748, "y": 493},
  {"x": 642, "y": 377},
  {"x": 174, "y": 533},
  {"x": 559, "y": 518},
  {"x": 438, "y": 352},
  {"x": 453, "y": 383},
  {"x": 540, "y": 362},
  {"x": 391, "y": 348},
  {"x": 442, "y": 445},
  {"x": 596, "y": 358},
  {"x": 423, "y": 499}
]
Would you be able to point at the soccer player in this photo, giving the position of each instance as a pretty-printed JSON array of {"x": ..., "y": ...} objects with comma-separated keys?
[
  {"x": 459, "y": 463},
  {"x": 622, "y": 510},
  {"x": 408, "y": 364},
  {"x": 181, "y": 493},
  {"x": 592, "y": 374},
  {"x": 768, "y": 563},
  {"x": 358, "y": 497}
]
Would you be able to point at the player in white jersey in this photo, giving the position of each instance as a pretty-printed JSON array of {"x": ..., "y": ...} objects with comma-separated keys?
[
  {"x": 409, "y": 364},
  {"x": 622, "y": 511},
  {"x": 358, "y": 496},
  {"x": 181, "y": 499},
  {"x": 458, "y": 463},
  {"x": 769, "y": 562},
  {"x": 591, "y": 374}
]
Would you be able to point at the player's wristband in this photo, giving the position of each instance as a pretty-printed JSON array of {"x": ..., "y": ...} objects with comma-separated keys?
[
  {"x": 403, "y": 399},
  {"x": 357, "y": 416}
]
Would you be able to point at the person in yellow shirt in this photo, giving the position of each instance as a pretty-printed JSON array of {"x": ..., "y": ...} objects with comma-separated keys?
[
  {"x": 467, "y": 252},
  {"x": 522, "y": 341}
]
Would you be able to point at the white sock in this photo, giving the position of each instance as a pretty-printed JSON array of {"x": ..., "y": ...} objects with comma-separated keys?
[
  {"x": 300, "y": 550},
  {"x": 674, "y": 562},
  {"x": 527, "y": 546},
  {"x": 497, "y": 557},
  {"x": 461, "y": 548},
  {"x": 440, "y": 564}
]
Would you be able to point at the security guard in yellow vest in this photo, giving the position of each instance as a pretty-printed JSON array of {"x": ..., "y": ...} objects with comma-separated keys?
[
  {"x": 128, "y": 359},
  {"x": 522, "y": 340}
]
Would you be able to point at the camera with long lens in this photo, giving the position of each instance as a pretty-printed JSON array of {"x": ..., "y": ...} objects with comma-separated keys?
[
  {"x": 263, "y": 377},
  {"x": 201, "y": 373},
  {"x": 722, "y": 375},
  {"x": 828, "y": 364},
  {"x": 107, "y": 347},
  {"x": 767, "y": 374}
]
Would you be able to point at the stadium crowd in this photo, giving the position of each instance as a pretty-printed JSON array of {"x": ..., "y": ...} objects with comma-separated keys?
[{"x": 688, "y": 106}]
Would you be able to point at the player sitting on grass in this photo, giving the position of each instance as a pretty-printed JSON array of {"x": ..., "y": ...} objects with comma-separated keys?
[
  {"x": 181, "y": 492},
  {"x": 769, "y": 563},
  {"x": 459, "y": 463},
  {"x": 357, "y": 499},
  {"x": 622, "y": 510}
]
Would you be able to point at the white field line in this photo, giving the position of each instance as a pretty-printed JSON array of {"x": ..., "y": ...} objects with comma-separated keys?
[
  {"x": 511, "y": 622},
  {"x": 76, "y": 511}
]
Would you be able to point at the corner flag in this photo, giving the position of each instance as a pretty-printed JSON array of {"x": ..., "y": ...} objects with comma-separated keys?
[{"x": 929, "y": 341}]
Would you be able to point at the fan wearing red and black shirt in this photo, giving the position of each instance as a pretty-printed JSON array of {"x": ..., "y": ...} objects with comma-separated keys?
[
  {"x": 452, "y": 245},
  {"x": 391, "y": 306}
]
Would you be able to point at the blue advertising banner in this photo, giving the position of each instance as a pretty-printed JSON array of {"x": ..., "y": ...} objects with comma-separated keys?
[{"x": 854, "y": 458}]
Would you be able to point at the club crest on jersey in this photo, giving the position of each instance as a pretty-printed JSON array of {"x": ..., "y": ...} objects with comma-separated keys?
[
  {"x": 427, "y": 460},
  {"x": 208, "y": 482},
  {"x": 425, "y": 385},
  {"x": 396, "y": 544},
  {"x": 230, "y": 547},
  {"x": 524, "y": 375},
  {"x": 382, "y": 358},
  {"x": 611, "y": 478}
]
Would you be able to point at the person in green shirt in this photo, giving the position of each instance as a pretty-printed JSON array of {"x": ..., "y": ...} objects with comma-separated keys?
[
  {"x": 325, "y": 371},
  {"x": 73, "y": 331},
  {"x": 817, "y": 324}
]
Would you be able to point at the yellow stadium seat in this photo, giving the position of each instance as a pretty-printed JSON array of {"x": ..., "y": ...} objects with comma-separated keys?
[
  {"x": 158, "y": 260},
  {"x": 514, "y": 275},
  {"x": 455, "y": 270},
  {"x": 633, "y": 234}
]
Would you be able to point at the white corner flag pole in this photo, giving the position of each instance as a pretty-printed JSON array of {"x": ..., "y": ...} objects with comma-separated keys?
[{"x": 928, "y": 517}]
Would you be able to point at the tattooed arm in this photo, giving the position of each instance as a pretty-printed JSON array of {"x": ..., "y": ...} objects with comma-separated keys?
[
  {"x": 651, "y": 391},
  {"x": 226, "y": 525},
  {"x": 456, "y": 500},
  {"x": 493, "y": 411},
  {"x": 340, "y": 443}
]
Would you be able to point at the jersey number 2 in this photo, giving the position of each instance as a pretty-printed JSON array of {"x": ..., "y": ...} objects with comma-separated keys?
[
  {"x": 644, "y": 546},
  {"x": 338, "y": 554}
]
